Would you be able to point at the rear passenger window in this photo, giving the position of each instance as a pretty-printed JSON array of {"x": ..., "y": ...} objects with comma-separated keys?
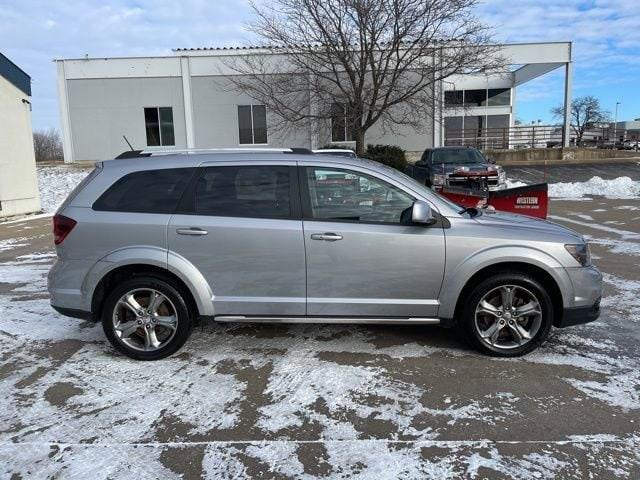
[
  {"x": 151, "y": 191},
  {"x": 260, "y": 191}
]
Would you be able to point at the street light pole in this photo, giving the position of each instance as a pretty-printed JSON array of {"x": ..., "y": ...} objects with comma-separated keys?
[{"x": 615, "y": 127}]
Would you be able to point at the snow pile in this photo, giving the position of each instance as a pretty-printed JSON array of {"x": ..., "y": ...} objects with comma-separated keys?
[
  {"x": 55, "y": 183},
  {"x": 621, "y": 187}
]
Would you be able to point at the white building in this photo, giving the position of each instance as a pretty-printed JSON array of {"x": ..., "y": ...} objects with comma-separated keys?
[
  {"x": 182, "y": 101},
  {"x": 628, "y": 130},
  {"x": 18, "y": 182}
]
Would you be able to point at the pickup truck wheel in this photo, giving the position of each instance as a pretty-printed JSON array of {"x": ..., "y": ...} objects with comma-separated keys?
[
  {"x": 146, "y": 318},
  {"x": 507, "y": 315}
]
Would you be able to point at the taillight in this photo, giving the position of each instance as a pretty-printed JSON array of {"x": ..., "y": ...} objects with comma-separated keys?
[{"x": 62, "y": 226}]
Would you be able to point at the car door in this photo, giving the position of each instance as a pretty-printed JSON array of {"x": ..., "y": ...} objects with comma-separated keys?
[
  {"x": 363, "y": 258},
  {"x": 240, "y": 226}
]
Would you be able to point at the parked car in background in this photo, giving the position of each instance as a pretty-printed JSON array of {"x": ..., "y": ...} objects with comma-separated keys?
[
  {"x": 150, "y": 245},
  {"x": 457, "y": 167},
  {"x": 341, "y": 152}
]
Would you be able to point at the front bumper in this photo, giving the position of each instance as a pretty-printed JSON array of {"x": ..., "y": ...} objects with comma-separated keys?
[
  {"x": 491, "y": 183},
  {"x": 584, "y": 307},
  {"x": 587, "y": 286},
  {"x": 579, "y": 315}
]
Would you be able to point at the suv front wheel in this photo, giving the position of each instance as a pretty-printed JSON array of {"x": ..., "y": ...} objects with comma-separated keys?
[
  {"x": 146, "y": 318},
  {"x": 507, "y": 315}
]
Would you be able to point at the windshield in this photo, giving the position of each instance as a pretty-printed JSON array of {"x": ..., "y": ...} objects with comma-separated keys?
[{"x": 458, "y": 156}]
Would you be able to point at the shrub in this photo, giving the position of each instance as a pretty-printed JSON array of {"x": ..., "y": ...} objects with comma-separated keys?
[
  {"x": 333, "y": 146},
  {"x": 390, "y": 155}
]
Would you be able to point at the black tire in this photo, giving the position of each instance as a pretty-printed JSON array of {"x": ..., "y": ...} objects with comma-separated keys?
[
  {"x": 467, "y": 324},
  {"x": 172, "y": 292}
]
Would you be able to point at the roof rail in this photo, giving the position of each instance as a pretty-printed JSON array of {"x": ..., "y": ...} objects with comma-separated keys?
[
  {"x": 304, "y": 151},
  {"x": 132, "y": 154},
  {"x": 190, "y": 151}
]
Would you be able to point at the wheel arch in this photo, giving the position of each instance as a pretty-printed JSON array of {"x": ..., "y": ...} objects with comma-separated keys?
[
  {"x": 540, "y": 274},
  {"x": 133, "y": 270},
  {"x": 138, "y": 261},
  {"x": 514, "y": 258}
]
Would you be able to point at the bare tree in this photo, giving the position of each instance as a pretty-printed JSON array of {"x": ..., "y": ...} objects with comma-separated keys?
[
  {"x": 47, "y": 145},
  {"x": 585, "y": 112},
  {"x": 371, "y": 60}
]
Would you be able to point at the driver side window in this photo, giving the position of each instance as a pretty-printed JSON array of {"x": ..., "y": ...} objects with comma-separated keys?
[{"x": 337, "y": 194}]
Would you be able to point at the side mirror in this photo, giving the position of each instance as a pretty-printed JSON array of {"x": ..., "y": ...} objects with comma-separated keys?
[
  {"x": 421, "y": 213},
  {"x": 491, "y": 160}
]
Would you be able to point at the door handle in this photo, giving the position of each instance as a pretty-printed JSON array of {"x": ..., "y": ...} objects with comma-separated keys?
[
  {"x": 191, "y": 231},
  {"x": 327, "y": 237}
]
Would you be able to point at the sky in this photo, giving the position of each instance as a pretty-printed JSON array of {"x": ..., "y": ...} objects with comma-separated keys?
[{"x": 605, "y": 36}]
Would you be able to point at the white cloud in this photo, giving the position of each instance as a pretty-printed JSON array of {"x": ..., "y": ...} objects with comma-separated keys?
[
  {"x": 596, "y": 28},
  {"x": 606, "y": 35},
  {"x": 606, "y": 45},
  {"x": 34, "y": 32}
]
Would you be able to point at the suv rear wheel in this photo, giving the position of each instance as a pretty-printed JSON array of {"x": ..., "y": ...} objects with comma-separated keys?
[
  {"x": 507, "y": 315},
  {"x": 146, "y": 318}
]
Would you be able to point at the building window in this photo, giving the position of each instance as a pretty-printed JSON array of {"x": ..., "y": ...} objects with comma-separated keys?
[
  {"x": 453, "y": 98},
  {"x": 499, "y": 97},
  {"x": 252, "y": 124},
  {"x": 453, "y": 130},
  {"x": 474, "y": 126},
  {"x": 493, "y": 97},
  {"x": 341, "y": 127},
  {"x": 158, "y": 123},
  {"x": 475, "y": 98},
  {"x": 498, "y": 121}
]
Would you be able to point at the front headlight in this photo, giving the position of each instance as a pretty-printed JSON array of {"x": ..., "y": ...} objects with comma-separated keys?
[
  {"x": 581, "y": 252},
  {"x": 502, "y": 175},
  {"x": 439, "y": 179}
]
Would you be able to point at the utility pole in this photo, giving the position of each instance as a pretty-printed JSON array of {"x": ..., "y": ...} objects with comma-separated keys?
[{"x": 615, "y": 126}]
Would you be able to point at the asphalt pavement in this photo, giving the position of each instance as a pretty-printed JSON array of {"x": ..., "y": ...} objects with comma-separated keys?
[{"x": 334, "y": 401}]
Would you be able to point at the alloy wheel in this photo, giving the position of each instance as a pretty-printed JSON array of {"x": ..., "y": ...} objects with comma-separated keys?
[
  {"x": 145, "y": 319},
  {"x": 508, "y": 316}
]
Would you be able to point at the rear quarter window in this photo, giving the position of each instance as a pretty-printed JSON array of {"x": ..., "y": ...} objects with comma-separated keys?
[{"x": 149, "y": 191}]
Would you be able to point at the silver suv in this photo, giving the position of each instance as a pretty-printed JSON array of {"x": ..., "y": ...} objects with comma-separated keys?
[{"x": 151, "y": 245}]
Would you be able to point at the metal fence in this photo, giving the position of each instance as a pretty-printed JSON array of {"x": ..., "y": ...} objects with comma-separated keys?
[
  {"x": 538, "y": 136},
  {"x": 530, "y": 136}
]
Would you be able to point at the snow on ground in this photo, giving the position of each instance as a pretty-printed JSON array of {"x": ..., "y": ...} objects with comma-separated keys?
[
  {"x": 625, "y": 234},
  {"x": 621, "y": 187},
  {"x": 12, "y": 243},
  {"x": 70, "y": 406},
  {"x": 88, "y": 412},
  {"x": 55, "y": 183}
]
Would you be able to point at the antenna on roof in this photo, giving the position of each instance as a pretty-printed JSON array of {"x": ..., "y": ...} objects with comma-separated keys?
[{"x": 125, "y": 139}]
